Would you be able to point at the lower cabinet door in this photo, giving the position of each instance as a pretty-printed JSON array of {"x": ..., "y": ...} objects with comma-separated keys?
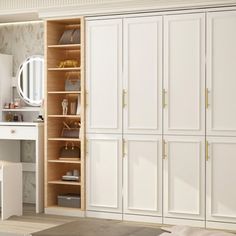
[
  {"x": 184, "y": 177},
  {"x": 104, "y": 173},
  {"x": 142, "y": 175},
  {"x": 221, "y": 179}
]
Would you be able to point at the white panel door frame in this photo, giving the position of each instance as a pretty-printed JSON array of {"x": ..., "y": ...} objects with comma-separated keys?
[
  {"x": 117, "y": 207},
  {"x": 157, "y": 140},
  {"x": 115, "y": 125},
  {"x": 168, "y": 212},
  {"x": 149, "y": 125},
  {"x": 212, "y": 128},
  {"x": 211, "y": 213},
  {"x": 199, "y": 127}
]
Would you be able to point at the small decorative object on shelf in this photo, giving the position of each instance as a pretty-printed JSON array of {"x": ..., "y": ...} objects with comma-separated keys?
[
  {"x": 73, "y": 108},
  {"x": 71, "y": 131},
  {"x": 71, "y": 36},
  {"x": 70, "y": 152},
  {"x": 68, "y": 63},
  {"x": 9, "y": 117},
  {"x": 16, "y": 102},
  {"x": 72, "y": 82},
  {"x": 64, "y": 106},
  {"x": 69, "y": 200},
  {"x": 72, "y": 175}
]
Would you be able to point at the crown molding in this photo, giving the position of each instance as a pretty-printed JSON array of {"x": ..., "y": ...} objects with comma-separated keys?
[{"x": 41, "y": 9}]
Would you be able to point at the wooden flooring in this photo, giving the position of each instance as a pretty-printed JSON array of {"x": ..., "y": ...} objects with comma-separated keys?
[{"x": 31, "y": 222}]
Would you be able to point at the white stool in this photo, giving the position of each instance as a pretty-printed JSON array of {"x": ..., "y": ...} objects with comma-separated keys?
[{"x": 11, "y": 189}]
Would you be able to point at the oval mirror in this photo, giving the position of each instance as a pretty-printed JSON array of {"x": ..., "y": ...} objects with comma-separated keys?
[{"x": 30, "y": 80}]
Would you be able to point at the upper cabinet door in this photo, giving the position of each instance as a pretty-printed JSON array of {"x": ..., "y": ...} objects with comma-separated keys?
[
  {"x": 184, "y": 74},
  {"x": 104, "y": 76},
  {"x": 221, "y": 73},
  {"x": 143, "y": 75}
]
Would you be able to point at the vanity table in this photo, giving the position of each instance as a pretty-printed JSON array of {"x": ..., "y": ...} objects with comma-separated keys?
[
  {"x": 29, "y": 84},
  {"x": 18, "y": 131}
]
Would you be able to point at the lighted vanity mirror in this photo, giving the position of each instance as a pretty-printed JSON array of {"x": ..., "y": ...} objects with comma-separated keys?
[{"x": 30, "y": 80}]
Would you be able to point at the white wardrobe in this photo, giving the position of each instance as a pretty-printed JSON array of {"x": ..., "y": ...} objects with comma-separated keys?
[{"x": 161, "y": 118}]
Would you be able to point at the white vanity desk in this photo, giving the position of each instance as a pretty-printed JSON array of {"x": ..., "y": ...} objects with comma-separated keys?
[{"x": 28, "y": 131}]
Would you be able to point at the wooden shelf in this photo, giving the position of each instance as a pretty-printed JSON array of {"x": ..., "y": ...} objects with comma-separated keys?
[
  {"x": 62, "y": 161},
  {"x": 65, "y": 46},
  {"x": 64, "y": 139},
  {"x": 64, "y": 208},
  {"x": 64, "y": 69},
  {"x": 55, "y": 85},
  {"x": 64, "y": 182},
  {"x": 64, "y": 116},
  {"x": 64, "y": 92}
]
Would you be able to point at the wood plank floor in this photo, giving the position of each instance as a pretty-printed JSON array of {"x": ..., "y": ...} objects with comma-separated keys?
[{"x": 31, "y": 222}]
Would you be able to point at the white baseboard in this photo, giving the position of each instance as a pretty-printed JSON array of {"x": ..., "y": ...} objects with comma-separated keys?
[
  {"x": 221, "y": 225},
  {"x": 104, "y": 215},
  {"x": 142, "y": 218},
  {"x": 175, "y": 221}
]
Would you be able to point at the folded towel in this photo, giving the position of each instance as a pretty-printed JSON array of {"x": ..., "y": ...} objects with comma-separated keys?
[{"x": 180, "y": 230}]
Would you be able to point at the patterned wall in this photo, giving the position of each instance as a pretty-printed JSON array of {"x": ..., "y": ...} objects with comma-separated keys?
[{"x": 22, "y": 41}]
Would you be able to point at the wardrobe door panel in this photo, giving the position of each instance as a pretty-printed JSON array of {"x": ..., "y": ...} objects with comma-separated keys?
[
  {"x": 104, "y": 173},
  {"x": 221, "y": 73},
  {"x": 221, "y": 179},
  {"x": 104, "y": 76},
  {"x": 143, "y": 175},
  {"x": 184, "y": 74},
  {"x": 184, "y": 177},
  {"x": 143, "y": 75}
]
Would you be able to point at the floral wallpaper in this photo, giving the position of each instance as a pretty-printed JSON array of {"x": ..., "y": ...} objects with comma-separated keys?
[{"x": 22, "y": 41}]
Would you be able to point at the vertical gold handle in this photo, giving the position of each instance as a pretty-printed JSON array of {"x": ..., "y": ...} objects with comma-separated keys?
[
  {"x": 164, "y": 149},
  {"x": 207, "y": 151},
  {"x": 164, "y": 100},
  {"x": 124, "y": 148},
  {"x": 124, "y": 98},
  {"x": 207, "y": 98}
]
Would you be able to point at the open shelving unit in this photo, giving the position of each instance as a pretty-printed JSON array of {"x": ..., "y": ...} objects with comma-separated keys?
[{"x": 54, "y": 118}]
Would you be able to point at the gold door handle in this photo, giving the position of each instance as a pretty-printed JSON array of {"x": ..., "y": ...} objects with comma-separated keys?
[
  {"x": 207, "y": 98},
  {"x": 164, "y": 98},
  {"x": 124, "y": 99},
  {"x": 164, "y": 149},
  {"x": 207, "y": 151},
  {"x": 124, "y": 148}
]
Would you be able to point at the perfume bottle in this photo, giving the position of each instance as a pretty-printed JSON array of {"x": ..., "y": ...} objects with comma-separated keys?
[{"x": 9, "y": 117}]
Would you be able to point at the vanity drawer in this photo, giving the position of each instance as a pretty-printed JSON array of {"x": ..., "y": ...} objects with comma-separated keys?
[{"x": 18, "y": 132}]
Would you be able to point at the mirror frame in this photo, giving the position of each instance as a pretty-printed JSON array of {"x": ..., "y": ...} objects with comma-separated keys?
[{"x": 20, "y": 92}]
